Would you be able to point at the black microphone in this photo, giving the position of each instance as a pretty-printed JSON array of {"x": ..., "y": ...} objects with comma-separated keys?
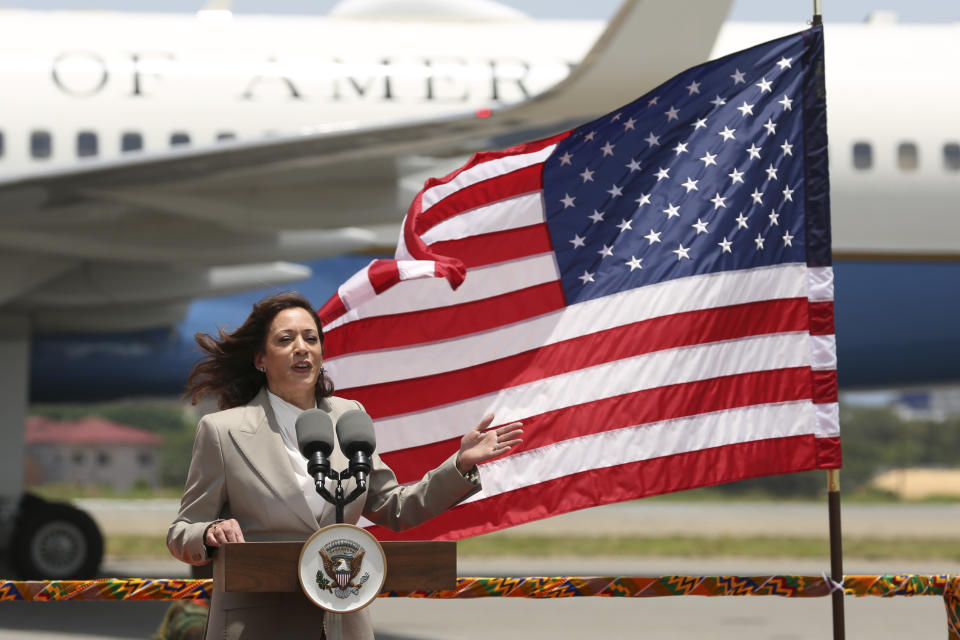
[
  {"x": 315, "y": 440},
  {"x": 357, "y": 442}
]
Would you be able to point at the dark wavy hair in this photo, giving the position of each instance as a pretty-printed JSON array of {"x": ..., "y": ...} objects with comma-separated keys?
[{"x": 227, "y": 370}]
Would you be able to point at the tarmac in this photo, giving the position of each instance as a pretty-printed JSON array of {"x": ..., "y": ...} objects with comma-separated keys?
[{"x": 512, "y": 619}]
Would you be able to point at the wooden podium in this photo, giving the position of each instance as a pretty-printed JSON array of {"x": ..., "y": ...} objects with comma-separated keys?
[{"x": 262, "y": 567}]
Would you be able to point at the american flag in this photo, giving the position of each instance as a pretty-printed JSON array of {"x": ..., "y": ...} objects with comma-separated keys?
[{"x": 650, "y": 293}]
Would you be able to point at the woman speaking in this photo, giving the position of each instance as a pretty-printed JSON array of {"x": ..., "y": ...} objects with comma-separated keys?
[{"x": 249, "y": 482}]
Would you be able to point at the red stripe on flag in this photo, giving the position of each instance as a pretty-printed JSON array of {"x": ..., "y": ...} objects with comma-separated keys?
[
  {"x": 331, "y": 310},
  {"x": 829, "y": 454},
  {"x": 500, "y": 246},
  {"x": 700, "y": 468},
  {"x": 824, "y": 386},
  {"x": 642, "y": 407},
  {"x": 665, "y": 332},
  {"x": 383, "y": 274},
  {"x": 412, "y": 227},
  {"x": 496, "y": 189},
  {"x": 821, "y": 318},
  {"x": 382, "y": 332}
]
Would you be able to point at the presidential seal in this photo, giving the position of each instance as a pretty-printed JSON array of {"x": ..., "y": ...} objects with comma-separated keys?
[
  {"x": 342, "y": 568},
  {"x": 342, "y": 560}
]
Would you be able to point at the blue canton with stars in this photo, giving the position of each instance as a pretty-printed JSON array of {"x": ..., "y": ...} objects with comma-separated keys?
[{"x": 703, "y": 174}]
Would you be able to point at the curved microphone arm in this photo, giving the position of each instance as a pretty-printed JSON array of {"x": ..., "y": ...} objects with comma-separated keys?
[{"x": 337, "y": 499}]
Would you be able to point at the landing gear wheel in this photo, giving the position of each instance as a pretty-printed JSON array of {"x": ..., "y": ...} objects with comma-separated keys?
[{"x": 55, "y": 541}]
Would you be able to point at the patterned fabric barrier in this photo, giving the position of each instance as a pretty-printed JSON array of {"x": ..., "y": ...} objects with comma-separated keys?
[
  {"x": 104, "y": 589},
  {"x": 952, "y": 599},
  {"x": 886, "y": 586}
]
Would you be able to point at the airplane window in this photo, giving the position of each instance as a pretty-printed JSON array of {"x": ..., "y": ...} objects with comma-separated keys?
[
  {"x": 179, "y": 138},
  {"x": 226, "y": 135},
  {"x": 41, "y": 145},
  {"x": 131, "y": 141},
  {"x": 907, "y": 156},
  {"x": 86, "y": 144},
  {"x": 862, "y": 155},
  {"x": 951, "y": 155}
]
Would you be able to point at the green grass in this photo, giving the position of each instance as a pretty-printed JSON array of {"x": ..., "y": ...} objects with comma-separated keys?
[
  {"x": 129, "y": 546},
  {"x": 67, "y": 492},
  {"x": 687, "y": 546},
  {"x": 690, "y": 546}
]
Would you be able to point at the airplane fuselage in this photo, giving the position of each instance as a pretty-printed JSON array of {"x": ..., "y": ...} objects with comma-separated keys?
[{"x": 75, "y": 96}]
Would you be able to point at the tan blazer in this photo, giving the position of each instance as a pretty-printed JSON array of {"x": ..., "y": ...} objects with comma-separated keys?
[{"x": 240, "y": 469}]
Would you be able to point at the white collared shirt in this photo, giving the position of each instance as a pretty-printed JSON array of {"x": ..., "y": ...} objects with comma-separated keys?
[{"x": 286, "y": 415}]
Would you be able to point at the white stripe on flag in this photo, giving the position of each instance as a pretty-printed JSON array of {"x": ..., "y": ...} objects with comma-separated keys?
[
  {"x": 483, "y": 171},
  {"x": 644, "y": 442},
  {"x": 629, "y": 375},
  {"x": 357, "y": 289},
  {"x": 823, "y": 352},
  {"x": 820, "y": 284},
  {"x": 513, "y": 213},
  {"x": 827, "y": 420},
  {"x": 633, "y": 305},
  {"x": 413, "y": 269}
]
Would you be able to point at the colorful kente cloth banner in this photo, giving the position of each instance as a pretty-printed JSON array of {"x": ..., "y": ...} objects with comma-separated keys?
[
  {"x": 788, "y": 586},
  {"x": 104, "y": 589}
]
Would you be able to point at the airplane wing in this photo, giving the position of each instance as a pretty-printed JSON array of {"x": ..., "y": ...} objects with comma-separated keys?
[{"x": 125, "y": 243}]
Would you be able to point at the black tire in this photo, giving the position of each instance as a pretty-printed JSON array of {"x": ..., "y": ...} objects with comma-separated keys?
[{"x": 54, "y": 541}]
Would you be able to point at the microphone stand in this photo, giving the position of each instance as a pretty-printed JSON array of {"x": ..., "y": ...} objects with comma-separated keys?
[{"x": 338, "y": 500}]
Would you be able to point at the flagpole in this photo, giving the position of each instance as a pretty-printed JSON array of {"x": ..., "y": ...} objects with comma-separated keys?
[
  {"x": 817, "y": 17},
  {"x": 836, "y": 551}
]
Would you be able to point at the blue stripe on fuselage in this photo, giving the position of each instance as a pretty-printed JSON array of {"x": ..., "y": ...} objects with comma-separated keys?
[{"x": 896, "y": 325}]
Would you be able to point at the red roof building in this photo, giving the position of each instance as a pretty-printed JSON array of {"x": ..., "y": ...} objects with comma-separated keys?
[
  {"x": 86, "y": 431},
  {"x": 91, "y": 451}
]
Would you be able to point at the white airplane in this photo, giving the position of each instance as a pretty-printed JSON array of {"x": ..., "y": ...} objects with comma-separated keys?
[{"x": 149, "y": 160}]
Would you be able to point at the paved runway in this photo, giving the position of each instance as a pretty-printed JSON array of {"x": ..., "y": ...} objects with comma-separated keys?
[
  {"x": 512, "y": 619},
  {"x": 644, "y": 517}
]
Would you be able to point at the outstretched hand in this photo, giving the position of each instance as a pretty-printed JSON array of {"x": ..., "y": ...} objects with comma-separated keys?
[{"x": 483, "y": 443}]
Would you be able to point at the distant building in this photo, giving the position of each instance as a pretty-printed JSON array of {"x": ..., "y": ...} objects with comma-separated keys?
[
  {"x": 936, "y": 404},
  {"x": 917, "y": 484},
  {"x": 91, "y": 451}
]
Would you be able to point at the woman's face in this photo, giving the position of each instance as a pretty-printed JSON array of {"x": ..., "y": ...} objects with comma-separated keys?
[{"x": 292, "y": 356}]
